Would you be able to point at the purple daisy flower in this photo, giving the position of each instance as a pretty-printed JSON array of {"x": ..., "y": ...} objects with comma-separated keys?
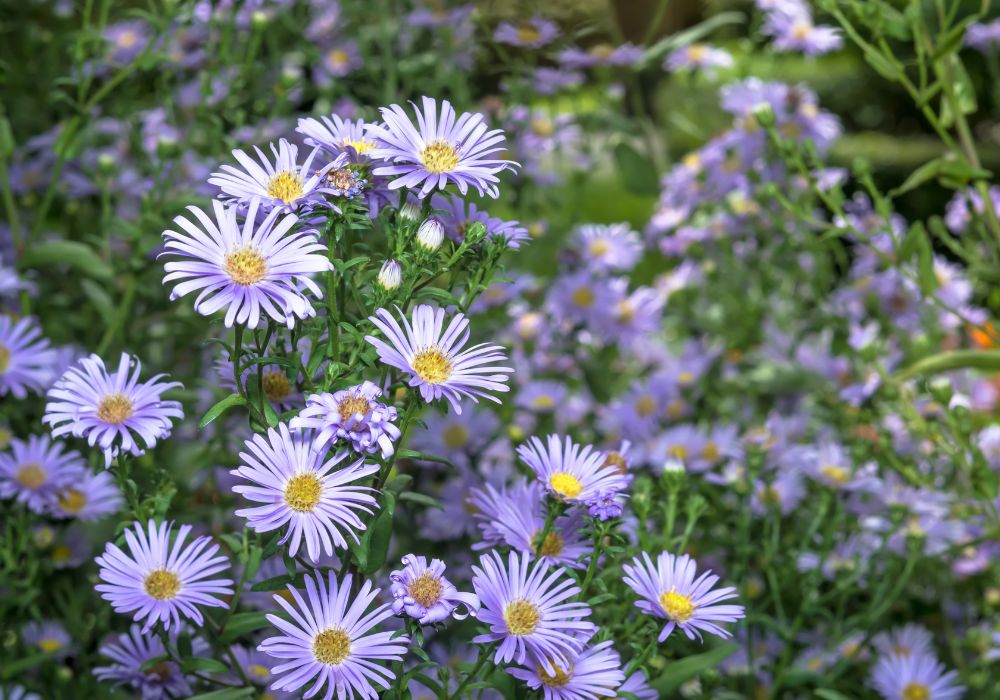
[
  {"x": 570, "y": 472},
  {"x": 107, "y": 408},
  {"x": 33, "y": 472},
  {"x": 298, "y": 487},
  {"x": 904, "y": 641},
  {"x": 520, "y": 522},
  {"x": 596, "y": 672},
  {"x": 354, "y": 415},
  {"x": 129, "y": 653},
  {"x": 488, "y": 503},
  {"x": 421, "y": 591},
  {"x": 795, "y": 31},
  {"x": 527, "y": 611},
  {"x": 605, "y": 505},
  {"x": 434, "y": 356},
  {"x": 608, "y": 247},
  {"x": 698, "y": 56},
  {"x": 160, "y": 581},
  {"x": 638, "y": 686},
  {"x": 336, "y": 135},
  {"x": 327, "y": 641},
  {"x": 456, "y": 215},
  {"x": 88, "y": 497},
  {"x": 531, "y": 33},
  {"x": 260, "y": 268},
  {"x": 17, "y": 692},
  {"x": 542, "y": 396},
  {"x": 670, "y": 590},
  {"x": 338, "y": 61},
  {"x": 49, "y": 637},
  {"x": 285, "y": 185},
  {"x": 438, "y": 150},
  {"x": 918, "y": 676},
  {"x": 26, "y": 360}
]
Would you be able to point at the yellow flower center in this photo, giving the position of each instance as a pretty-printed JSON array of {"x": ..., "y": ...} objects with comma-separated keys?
[
  {"x": 528, "y": 34},
  {"x": 624, "y": 312},
  {"x": 543, "y": 401},
  {"x": 338, "y": 58},
  {"x": 276, "y": 385},
  {"x": 4, "y": 358},
  {"x": 432, "y": 366},
  {"x": 583, "y": 297},
  {"x": 115, "y": 408},
  {"x": 162, "y": 584},
  {"x": 901, "y": 650},
  {"x": 286, "y": 186},
  {"x": 836, "y": 475},
  {"x": 697, "y": 53},
  {"x": 352, "y": 405},
  {"x": 246, "y": 266},
  {"x": 455, "y": 436},
  {"x": 645, "y": 406},
  {"x": 439, "y": 157},
  {"x": 50, "y": 645},
  {"x": 565, "y": 485},
  {"x": 801, "y": 31},
  {"x": 127, "y": 39},
  {"x": 521, "y": 617},
  {"x": 617, "y": 461},
  {"x": 710, "y": 451},
  {"x": 332, "y": 646},
  {"x": 599, "y": 247},
  {"x": 258, "y": 670},
  {"x": 551, "y": 547},
  {"x": 692, "y": 161},
  {"x": 543, "y": 127},
  {"x": 302, "y": 492},
  {"x": 31, "y": 475},
  {"x": 61, "y": 553},
  {"x": 359, "y": 146},
  {"x": 770, "y": 496},
  {"x": 425, "y": 589},
  {"x": 72, "y": 501},
  {"x": 602, "y": 51},
  {"x": 558, "y": 679},
  {"x": 916, "y": 691},
  {"x": 678, "y": 452},
  {"x": 677, "y": 606},
  {"x": 675, "y": 408},
  {"x": 685, "y": 378}
]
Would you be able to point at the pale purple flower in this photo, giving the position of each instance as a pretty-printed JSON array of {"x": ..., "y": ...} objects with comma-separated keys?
[
  {"x": 596, "y": 672},
  {"x": 608, "y": 247},
  {"x": 421, "y": 591},
  {"x": 796, "y": 32},
  {"x": 355, "y": 415},
  {"x": 698, "y": 56},
  {"x": 988, "y": 442},
  {"x": 533, "y": 32},
  {"x": 917, "y": 675},
  {"x": 604, "y": 505},
  {"x": 49, "y": 637},
  {"x": 338, "y": 61},
  {"x": 27, "y": 361},
  {"x": 983, "y": 35},
  {"x": 88, "y": 497},
  {"x": 336, "y": 135},
  {"x": 34, "y": 471},
  {"x": 904, "y": 641},
  {"x": 571, "y": 472},
  {"x": 128, "y": 653}
]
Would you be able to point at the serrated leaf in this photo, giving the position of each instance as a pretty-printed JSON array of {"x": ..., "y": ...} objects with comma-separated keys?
[
  {"x": 221, "y": 407},
  {"x": 70, "y": 253}
]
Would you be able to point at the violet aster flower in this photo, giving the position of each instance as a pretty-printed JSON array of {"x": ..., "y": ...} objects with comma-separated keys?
[
  {"x": 456, "y": 215},
  {"x": 336, "y": 135},
  {"x": 17, "y": 692},
  {"x": 698, "y": 56},
  {"x": 795, "y": 31},
  {"x": 604, "y": 505},
  {"x": 285, "y": 185},
  {"x": 34, "y": 471},
  {"x": 434, "y": 357},
  {"x": 26, "y": 360},
  {"x": 299, "y": 488},
  {"x": 918, "y": 676},
  {"x": 129, "y": 653},
  {"x": 87, "y": 497},
  {"x": 256, "y": 270},
  {"x": 256, "y": 666},
  {"x": 338, "y": 61},
  {"x": 421, "y": 591},
  {"x": 531, "y": 33},
  {"x": 327, "y": 640},
  {"x": 439, "y": 150},
  {"x": 983, "y": 35},
  {"x": 354, "y": 415},
  {"x": 606, "y": 247},
  {"x": 638, "y": 686},
  {"x": 595, "y": 672},
  {"x": 161, "y": 581},
  {"x": 49, "y": 637},
  {"x": 571, "y": 472},
  {"x": 988, "y": 442},
  {"x": 904, "y": 641},
  {"x": 518, "y": 522},
  {"x": 528, "y": 611},
  {"x": 111, "y": 410},
  {"x": 670, "y": 590}
]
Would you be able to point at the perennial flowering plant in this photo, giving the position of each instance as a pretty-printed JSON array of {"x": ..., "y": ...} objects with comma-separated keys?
[{"x": 306, "y": 419}]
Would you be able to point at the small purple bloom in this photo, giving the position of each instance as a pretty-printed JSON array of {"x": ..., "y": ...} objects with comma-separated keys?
[
  {"x": 26, "y": 359},
  {"x": 34, "y": 471},
  {"x": 354, "y": 415},
  {"x": 604, "y": 505},
  {"x": 532, "y": 33},
  {"x": 421, "y": 591}
]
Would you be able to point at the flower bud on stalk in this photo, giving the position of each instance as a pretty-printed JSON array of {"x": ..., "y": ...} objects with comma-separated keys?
[
  {"x": 674, "y": 474},
  {"x": 430, "y": 235},
  {"x": 409, "y": 212},
  {"x": 390, "y": 276}
]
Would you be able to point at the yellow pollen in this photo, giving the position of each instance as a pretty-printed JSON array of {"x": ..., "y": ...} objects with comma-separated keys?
[
  {"x": 61, "y": 553},
  {"x": 352, "y": 405},
  {"x": 72, "y": 501},
  {"x": 432, "y": 366},
  {"x": 624, "y": 312},
  {"x": 543, "y": 401},
  {"x": 4, "y": 358},
  {"x": 286, "y": 186},
  {"x": 258, "y": 670},
  {"x": 127, "y": 39},
  {"x": 678, "y": 452},
  {"x": 302, "y": 492},
  {"x": 543, "y": 127},
  {"x": 558, "y": 680},
  {"x": 916, "y": 691},
  {"x": 837, "y": 475},
  {"x": 601, "y": 51},
  {"x": 710, "y": 451},
  {"x": 359, "y": 146},
  {"x": 599, "y": 247},
  {"x": 162, "y": 584},
  {"x": 551, "y": 547},
  {"x": 692, "y": 161},
  {"x": 332, "y": 646},
  {"x": 675, "y": 408},
  {"x": 528, "y": 34},
  {"x": 697, "y": 52},
  {"x": 645, "y": 406},
  {"x": 277, "y": 388},
  {"x": 583, "y": 297},
  {"x": 901, "y": 650},
  {"x": 565, "y": 485},
  {"x": 439, "y": 157},
  {"x": 685, "y": 378},
  {"x": 50, "y": 645},
  {"x": 338, "y": 58},
  {"x": 677, "y": 606},
  {"x": 455, "y": 436},
  {"x": 31, "y": 475},
  {"x": 341, "y": 178},
  {"x": 425, "y": 589},
  {"x": 617, "y": 461},
  {"x": 801, "y": 31},
  {"x": 246, "y": 266},
  {"x": 115, "y": 408},
  {"x": 521, "y": 617}
]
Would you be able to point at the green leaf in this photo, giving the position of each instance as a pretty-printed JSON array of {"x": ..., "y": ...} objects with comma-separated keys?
[
  {"x": 200, "y": 663},
  {"x": 225, "y": 694},
  {"x": 828, "y": 694},
  {"x": 988, "y": 360},
  {"x": 687, "y": 668},
  {"x": 965, "y": 93},
  {"x": 424, "y": 457},
  {"x": 371, "y": 549},
  {"x": 149, "y": 663},
  {"x": 71, "y": 253},
  {"x": 99, "y": 298},
  {"x": 925, "y": 264},
  {"x": 219, "y": 408},
  {"x": 241, "y": 624},
  {"x": 275, "y": 583},
  {"x": 638, "y": 172},
  {"x": 420, "y": 499},
  {"x": 689, "y": 36}
]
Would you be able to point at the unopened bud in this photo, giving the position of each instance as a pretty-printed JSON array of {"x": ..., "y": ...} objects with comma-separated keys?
[
  {"x": 390, "y": 276},
  {"x": 430, "y": 235},
  {"x": 409, "y": 212}
]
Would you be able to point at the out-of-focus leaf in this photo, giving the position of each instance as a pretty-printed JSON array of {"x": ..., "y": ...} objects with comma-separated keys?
[
  {"x": 988, "y": 360},
  {"x": 420, "y": 499},
  {"x": 71, "y": 253},
  {"x": 687, "y": 668},
  {"x": 225, "y": 694},
  {"x": 275, "y": 583},
  {"x": 241, "y": 624},
  {"x": 638, "y": 173},
  {"x": 371, "y": 548},
  {"x": 219, "y": 408},
  {"x": 200, "y": 663}
]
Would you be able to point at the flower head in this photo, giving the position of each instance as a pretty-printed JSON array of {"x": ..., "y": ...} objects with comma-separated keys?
[
  {"x": 421, "y": 591},
  {"x": 434, "y": 356},
  {"x": 355, "y": 415},
  {"x": 87, "y": 497},
  {"x": 258, "y": 269},
  {"x": 669, "y": 590},
  {"x": 917, "y": 676},
  {"x": 26, "y": 360},
  {"x": 695, "y": 56},
  {"x": 297, "y": 487},
  {"x": 527, "y": 610},
  {"x": 595, "y": 672},
  {"x": 34, "y": 471},
  {"x": 336, "y": 135},
  {"x": 904, "y": 641},
  {"x": 111, "y": 409},
  {"x": 327, "y": 640},
  {"x": 129, "y": 653},
  {"x": 534, "y": 32},
  {"x": 608, "y": 247},
  {"x": 160, "y": 581},
  {"x": 571, "y": 472},
  {"x": 439, "y": 149},
  {"x": 49, "y": 637}
]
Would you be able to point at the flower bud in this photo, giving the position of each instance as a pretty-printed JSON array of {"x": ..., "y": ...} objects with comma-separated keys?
[
  {"x": 674, "y": 473},
  {"x": 430, "y": 235},
  {"x": 409, "y": 212},
  {"x": 390, "y": 276}
]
